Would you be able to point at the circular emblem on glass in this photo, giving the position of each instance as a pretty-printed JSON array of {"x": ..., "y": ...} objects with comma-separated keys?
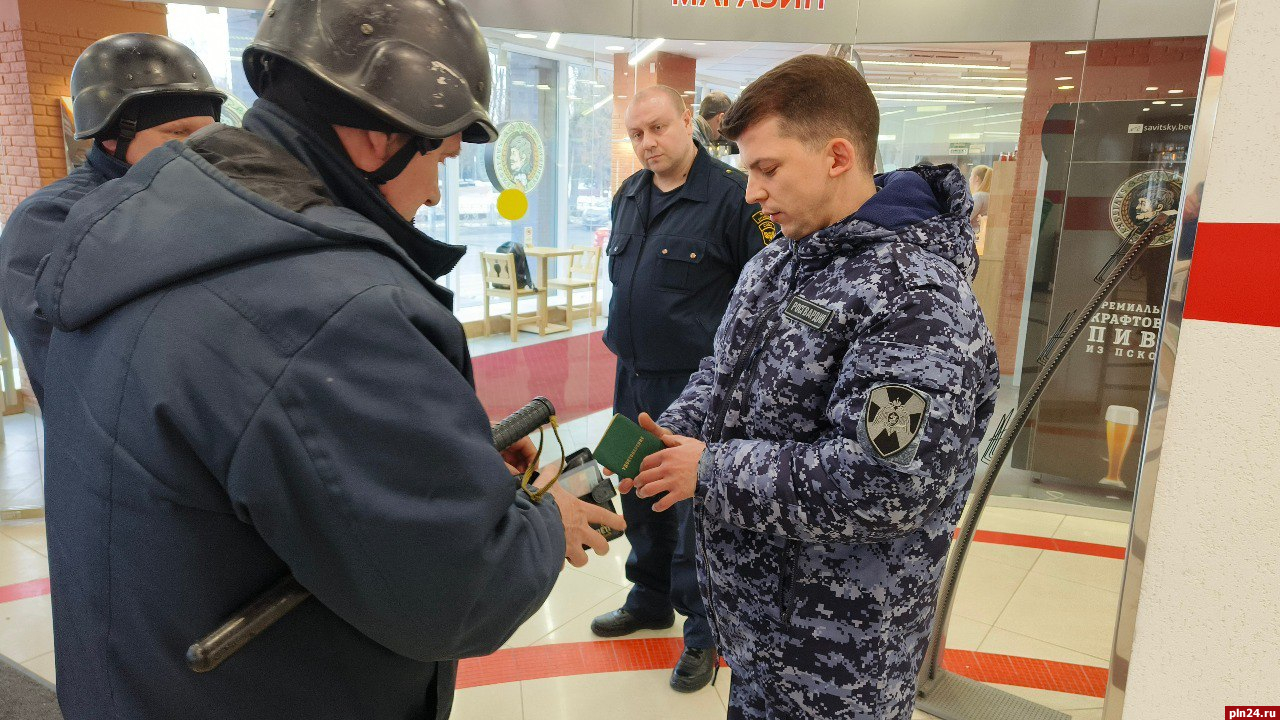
[
  {"x": 517, "y": 159},
  {"x": 1147, "y": 200}
]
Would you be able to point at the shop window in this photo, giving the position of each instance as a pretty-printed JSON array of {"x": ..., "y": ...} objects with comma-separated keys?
[
  {"x": 1033, "y": 119},
  {"x": 527, "y": 90}
]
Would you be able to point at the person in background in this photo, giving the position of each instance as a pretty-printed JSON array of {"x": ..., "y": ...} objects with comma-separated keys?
[
  {"x": 706, "y": 125},
  {"x": 980, "y": 189},
  {"x": 681, "y": 235},
  {"x": 131, "y": 93},
  {"x": 254, "y": 371},
  {"x": 831, "y": 439}
]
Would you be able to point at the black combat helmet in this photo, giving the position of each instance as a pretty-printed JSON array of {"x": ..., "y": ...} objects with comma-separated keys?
[
  {"x": 421, "y": 64},
  {"x": 128, "y": 67}
]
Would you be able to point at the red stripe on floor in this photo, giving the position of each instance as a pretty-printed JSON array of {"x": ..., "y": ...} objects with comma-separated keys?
[
  {"x": 1028, "y": 672},
  {"x": 576, "y": 374},
  {"x": 20, "y": 591},
  {"x": 567, "y": 659},
  {"x": 35, "y": 588},
  {"x": 1233, "y": 272},
  {"x": 1043, "y": 543}
]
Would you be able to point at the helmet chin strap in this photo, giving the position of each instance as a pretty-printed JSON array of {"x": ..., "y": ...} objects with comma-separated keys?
[
  {"x": 128, "y": 131},
  {"x": 396, "y": 164}
]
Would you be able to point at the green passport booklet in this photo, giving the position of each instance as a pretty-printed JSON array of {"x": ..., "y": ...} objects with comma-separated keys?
[{"x": 624, "y": 446}]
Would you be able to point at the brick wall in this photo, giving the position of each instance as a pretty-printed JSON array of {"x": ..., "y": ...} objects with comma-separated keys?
[
  {"x": 675, "y": 71},
  {"x": 19, "y": 170},
  {"x": 39, "y": 43},
  {"x": 1111, "y": 70}
]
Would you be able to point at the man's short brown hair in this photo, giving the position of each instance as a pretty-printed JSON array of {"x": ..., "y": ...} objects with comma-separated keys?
[
  {"x": 713, "y": 104},
  {"x": 815, "y": 99}
]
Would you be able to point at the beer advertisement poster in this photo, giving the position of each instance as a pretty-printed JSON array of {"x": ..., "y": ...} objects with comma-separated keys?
[{"x": 1114, "y": 173}]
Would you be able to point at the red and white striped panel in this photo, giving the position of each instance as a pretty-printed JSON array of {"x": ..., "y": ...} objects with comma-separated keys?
[{"x": 1207, "y": 617}]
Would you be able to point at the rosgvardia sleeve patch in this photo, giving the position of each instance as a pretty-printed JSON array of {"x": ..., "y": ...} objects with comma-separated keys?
[{"x": 893, "y": 422}]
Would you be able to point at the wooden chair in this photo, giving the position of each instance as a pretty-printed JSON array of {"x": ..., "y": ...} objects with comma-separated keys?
[
  {"x": 498, "y": 270},
  {"x": 584, "y": 272}
]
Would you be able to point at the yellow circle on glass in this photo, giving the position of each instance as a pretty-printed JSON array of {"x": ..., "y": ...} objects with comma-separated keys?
[{"x": 513, "y": 204}]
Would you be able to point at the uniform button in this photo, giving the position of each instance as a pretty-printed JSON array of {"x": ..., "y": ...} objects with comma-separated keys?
[
  {"x": 693, "y": 256},
  {"x": 664, "y": 251}
]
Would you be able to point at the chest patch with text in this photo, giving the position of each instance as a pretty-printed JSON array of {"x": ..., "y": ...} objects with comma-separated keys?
[{"x": 808, "y": 313}]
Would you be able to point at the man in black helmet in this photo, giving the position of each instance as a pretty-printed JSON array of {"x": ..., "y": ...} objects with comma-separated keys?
[
  {"x": 131, "y": 93},
  {"x": 254, "y": 372}
]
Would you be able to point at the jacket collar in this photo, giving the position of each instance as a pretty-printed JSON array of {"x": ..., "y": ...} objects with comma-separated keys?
[
  {"x": 696, "y": 187},
  {"x": 948, "y": 235},
  {"x": 349, "y": 187},
  {"x": 841, "y": 238},
  {"x": 104, "y": 164}
]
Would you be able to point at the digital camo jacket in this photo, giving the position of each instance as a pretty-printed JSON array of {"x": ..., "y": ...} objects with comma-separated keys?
[{"x": 852, "y": 380}]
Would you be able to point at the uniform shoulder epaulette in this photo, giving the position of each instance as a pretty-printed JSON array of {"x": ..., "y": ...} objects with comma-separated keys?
[{"x": 737, "y": 176}]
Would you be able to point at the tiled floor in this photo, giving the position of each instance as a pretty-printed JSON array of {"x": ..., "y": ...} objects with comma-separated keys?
[
  {"x": 20, "y": 462},
  {"x": 1043, "y": 585},
  {"x": 1013, "y": 601},
  {"x": 26, "y": 619}
]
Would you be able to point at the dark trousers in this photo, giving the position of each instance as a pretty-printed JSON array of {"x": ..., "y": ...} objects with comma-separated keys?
[{"x": 661, "y": 564}]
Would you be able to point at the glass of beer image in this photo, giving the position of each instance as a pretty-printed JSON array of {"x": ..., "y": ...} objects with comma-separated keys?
[{"x": 1122, "y": 424}]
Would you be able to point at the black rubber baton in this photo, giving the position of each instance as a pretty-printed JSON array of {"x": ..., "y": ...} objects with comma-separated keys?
[
  {"x": 522, "y": 422},
  {"x": 288, "y": 594}
]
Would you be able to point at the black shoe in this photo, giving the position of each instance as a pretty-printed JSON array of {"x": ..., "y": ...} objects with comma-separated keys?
[
  {"x": 620, "y": 622},
  {"x": 694, "y": 670}
]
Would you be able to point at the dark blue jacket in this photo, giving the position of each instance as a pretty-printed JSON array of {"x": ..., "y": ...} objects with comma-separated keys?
[
  {"x": 673, "y": 273},
  {"x": 249, "y": 378},
  {"x": 29, "y": 235}
]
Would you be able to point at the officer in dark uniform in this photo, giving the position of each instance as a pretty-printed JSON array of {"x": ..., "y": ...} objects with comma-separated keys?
[
  {"x": 131, "y": 93},
  {"x": 681, "y": 234}
]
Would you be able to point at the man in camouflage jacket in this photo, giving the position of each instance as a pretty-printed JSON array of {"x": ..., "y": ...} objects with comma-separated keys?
[{"x": 832, "y": 438}]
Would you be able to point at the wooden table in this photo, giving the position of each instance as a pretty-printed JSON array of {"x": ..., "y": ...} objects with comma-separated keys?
[{"x": 544, "y": 255}]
